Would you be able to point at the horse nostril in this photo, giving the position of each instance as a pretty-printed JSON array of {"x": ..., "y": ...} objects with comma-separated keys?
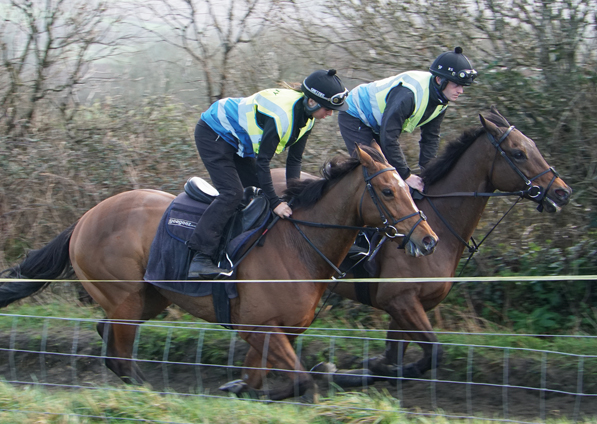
[
  {"x": 563, "y": 194},
  {"x": 429, "y": 243}
]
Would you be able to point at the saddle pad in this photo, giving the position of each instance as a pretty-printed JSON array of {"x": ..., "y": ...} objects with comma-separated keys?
[{"x": 169, "y": 255}]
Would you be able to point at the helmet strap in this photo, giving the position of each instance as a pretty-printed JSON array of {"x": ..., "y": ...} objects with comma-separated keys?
[
  {"x": 443, "y": 83},
  {"x": 310, "y": 109}
]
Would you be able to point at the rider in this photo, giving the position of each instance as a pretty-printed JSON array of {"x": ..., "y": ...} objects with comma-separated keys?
[
  {"x": 237, "y": 138},
  {"x": 381, "y": 110}
]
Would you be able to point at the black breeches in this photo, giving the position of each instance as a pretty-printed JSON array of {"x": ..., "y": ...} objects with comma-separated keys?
[{"x": 229, "y": 174}]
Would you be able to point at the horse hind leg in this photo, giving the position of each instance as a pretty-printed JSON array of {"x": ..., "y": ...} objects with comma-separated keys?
[
  {"x": 119, "y": 354},
  {"x": 120, "y": 329}
]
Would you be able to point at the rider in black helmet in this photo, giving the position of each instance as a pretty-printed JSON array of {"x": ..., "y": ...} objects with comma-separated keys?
[
  {"x": 383, "y": 109},
  {"x": 237, "y": 138}
]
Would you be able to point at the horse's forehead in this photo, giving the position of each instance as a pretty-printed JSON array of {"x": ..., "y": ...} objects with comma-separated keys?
[
  {"x": 393, "y": 177},
  {"x": 401, "y": 182},
  {"x": 525, "y": 142}
]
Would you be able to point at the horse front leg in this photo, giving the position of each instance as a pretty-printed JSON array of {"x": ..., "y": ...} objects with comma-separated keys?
[
  {"x": 280, "y": 355},
  {"x": 409, "y": 323}
]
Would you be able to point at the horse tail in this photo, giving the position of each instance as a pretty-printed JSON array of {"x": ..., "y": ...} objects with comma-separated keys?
[{"x": 48, "y": 263}]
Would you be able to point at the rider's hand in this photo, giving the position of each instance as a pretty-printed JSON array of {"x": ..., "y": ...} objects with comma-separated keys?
[
  {"x": 415, "y": 182},
  {"x": 283, "y": 210}
]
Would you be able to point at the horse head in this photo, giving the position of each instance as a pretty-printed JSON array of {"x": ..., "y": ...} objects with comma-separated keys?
[
  {"x": 519, "y": 165},
  {"x": 389, "y": 203}
]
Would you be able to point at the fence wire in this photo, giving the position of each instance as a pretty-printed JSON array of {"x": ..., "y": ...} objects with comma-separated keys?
[{"x": 485, "y": 374}]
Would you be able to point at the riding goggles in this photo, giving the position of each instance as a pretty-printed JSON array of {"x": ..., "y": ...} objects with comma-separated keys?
[
  {"x": 337, "y": 99},
  {"x": 467, "y": 73}
]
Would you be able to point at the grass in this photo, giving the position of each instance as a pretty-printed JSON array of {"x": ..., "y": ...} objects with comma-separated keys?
[
  {"x": 36, "y": 405},
  {"x": 336, "y": 332},
  {"x": 354, "y": 335}
]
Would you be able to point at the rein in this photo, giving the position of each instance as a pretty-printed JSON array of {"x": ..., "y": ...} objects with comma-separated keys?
[
  {"x": 388, "y": 231},
  {"x": 472, "y": 245},
  {"x": 536, "y": 193}
]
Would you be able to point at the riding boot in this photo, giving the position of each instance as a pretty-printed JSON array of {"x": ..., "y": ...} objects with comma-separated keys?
[{"x": 202, "y": 267}]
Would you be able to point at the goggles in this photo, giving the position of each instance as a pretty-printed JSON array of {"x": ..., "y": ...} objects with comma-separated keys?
[
  {"x": 467, "y": 73},
  {"x": 337, "y": 99}
]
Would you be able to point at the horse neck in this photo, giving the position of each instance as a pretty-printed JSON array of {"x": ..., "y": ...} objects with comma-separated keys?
[
  {"x": 339, "y": 206},
  {"x": 471, "y": 173}
]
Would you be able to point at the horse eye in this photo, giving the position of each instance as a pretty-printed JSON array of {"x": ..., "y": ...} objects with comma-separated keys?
[
  {"x": 518, "y": 155},
  {"x": 387, "y": 192}
]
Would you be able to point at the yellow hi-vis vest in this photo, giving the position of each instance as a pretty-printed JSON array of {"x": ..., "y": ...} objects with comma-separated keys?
[
  {"x": 235, "y": 119},
  {"x": 368, "y": 101}
]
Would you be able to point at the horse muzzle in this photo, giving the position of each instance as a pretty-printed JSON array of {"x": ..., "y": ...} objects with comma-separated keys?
[
  {"x": 426, "y": 247},
  {"x": 556, "y": 198}
]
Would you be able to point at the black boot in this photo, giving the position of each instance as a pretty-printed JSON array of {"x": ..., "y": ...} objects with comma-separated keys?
[{"x": 203, "y": 268}]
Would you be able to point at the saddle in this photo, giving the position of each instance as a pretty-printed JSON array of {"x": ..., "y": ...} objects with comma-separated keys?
[
  {"x": 251, "y": 212},
  {"x": 169, "y": 256}
]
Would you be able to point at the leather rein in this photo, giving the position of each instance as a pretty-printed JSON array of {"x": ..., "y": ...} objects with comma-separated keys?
[
  {"x": 534, "y": 192},
  {"x": 389, "y": 230}
]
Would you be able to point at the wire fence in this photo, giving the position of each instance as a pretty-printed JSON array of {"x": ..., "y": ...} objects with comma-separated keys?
[
  {"x": 503, "y": 377},
  {"x": 485, "y": 374}
]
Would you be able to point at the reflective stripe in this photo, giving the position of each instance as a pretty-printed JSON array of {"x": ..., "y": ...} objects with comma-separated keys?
[
  {"x": 235, "y": 119},
  {"x": 368, "y": 101}
]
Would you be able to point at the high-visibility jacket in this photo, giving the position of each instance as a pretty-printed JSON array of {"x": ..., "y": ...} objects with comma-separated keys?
[
  {"x": 235, "y": 119},
  {"x": 368, "y": 101}
]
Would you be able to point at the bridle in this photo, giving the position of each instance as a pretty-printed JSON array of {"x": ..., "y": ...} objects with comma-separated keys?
[
  {"x": 389, "y": 230},
  {"x": 534, "y": 192}
]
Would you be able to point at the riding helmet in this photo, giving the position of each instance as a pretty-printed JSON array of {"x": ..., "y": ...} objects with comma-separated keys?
[
  {"x": 326, "y": 88},
  {"x": 455, "y": 67}
]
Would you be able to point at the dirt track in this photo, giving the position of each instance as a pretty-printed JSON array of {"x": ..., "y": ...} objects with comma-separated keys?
[{"x": 489, "y": 400}]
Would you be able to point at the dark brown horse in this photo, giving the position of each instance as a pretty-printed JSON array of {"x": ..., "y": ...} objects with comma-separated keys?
[
  {"x": 109, "y": 246},
  {"x": 494, "y": 156}
]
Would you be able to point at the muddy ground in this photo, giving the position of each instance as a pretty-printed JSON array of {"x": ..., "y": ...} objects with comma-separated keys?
[{"x": 77, "y": 362}]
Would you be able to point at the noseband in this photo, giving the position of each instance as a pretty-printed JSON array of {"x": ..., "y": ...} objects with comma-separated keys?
[
  {"x": 534, "y": 192},
  {"x": 390, "y": 230}
]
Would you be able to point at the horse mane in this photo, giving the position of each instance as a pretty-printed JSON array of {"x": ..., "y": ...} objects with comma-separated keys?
[
  {"x": 305, "y": 193},
  {"x": 440, "y": 166}
]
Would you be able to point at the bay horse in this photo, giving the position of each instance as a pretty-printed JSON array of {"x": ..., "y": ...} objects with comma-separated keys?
[
  {"x": 493, "y": 156},
  {"x": 108, "y": 249}
]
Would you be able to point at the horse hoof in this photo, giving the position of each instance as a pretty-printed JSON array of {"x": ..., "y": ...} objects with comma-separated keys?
[
  {"x": 353, "y": 378},
  {"x": 324, "y": 368},
  {"x": 235, "y": 387}
]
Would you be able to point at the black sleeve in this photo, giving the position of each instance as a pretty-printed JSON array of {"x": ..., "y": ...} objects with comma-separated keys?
[
  {"x": 400, "y": 105},
  {"x": 295, "y": 157},
  {"x": 429, "y": 142},
  {"x": 267, "y": 148}
]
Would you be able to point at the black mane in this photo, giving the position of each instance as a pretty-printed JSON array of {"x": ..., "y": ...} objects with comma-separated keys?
[
  {"x": 305, "y": 193},
  {"x": 455, "y": 148}
]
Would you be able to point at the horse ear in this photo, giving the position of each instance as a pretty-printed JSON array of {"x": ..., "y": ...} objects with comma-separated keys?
[
  {"x": 489, "y": 126},
  {"x": 364, "y": 157},
  {"x": 376, "y": 146}
]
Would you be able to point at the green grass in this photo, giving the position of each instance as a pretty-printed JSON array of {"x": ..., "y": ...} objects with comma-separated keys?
[
  {"x": 37, "y": 405},
  {"x": 335, "y": 332}
]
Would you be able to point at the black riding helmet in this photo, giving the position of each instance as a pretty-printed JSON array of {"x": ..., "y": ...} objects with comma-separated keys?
[
  {"x": 326, "y": 89},
  {"x": 453, "y": 66}
]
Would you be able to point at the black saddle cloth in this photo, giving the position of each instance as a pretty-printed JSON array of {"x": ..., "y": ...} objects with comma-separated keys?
[{"x": 169, "y": 256}]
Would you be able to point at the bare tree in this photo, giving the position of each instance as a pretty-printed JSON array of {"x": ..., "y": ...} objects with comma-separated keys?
[
  {"x": 46, "y": 51},
  {"x": 209, "y": 32},
  {"x": 378, "y": 38}
]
